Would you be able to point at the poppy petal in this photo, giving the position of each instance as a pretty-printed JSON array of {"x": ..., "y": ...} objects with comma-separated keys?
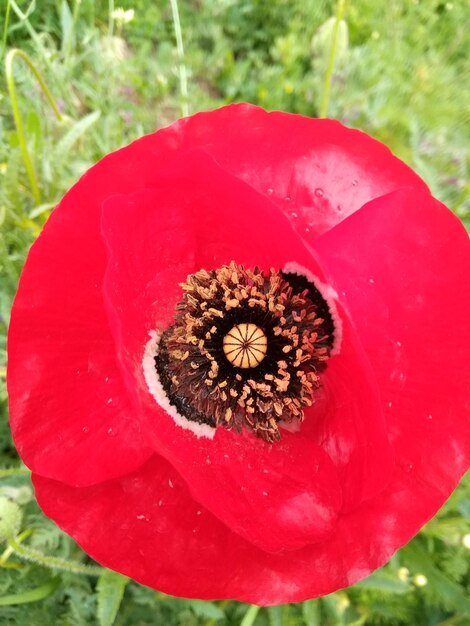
[
  {"x": 67, "y": 401},
  {"x": 316, "y": 170},
  {"x": 348, "y": 422},
  {"x": 410, "y": 306},
  {"x": 148, "y": 526}
]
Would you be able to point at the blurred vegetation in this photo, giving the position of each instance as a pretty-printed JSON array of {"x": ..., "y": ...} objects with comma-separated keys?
[{"x": 401, "y": 73}]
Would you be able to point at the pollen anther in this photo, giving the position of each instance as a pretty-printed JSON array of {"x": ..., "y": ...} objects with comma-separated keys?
[{"x": 246, "y": 349}]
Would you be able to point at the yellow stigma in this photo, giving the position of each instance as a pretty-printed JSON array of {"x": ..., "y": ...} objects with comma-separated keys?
[{"x": 245, "y": 345}]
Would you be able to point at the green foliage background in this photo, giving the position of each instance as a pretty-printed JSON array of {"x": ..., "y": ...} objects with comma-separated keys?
[{"x": 401, "y": 73}]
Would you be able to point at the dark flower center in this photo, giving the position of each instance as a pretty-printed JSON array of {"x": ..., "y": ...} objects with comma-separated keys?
[{"x": 246, "y": 349}]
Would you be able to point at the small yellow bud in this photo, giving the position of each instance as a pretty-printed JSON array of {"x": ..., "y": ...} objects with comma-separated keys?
[
  {"x": 403, "y": 574},
  {"x": 420, "y": 580}
]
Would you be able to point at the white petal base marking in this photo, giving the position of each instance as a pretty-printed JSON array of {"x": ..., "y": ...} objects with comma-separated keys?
[
  {"x": 156, "y": 389},
  {"x": 329, "y": 295}
]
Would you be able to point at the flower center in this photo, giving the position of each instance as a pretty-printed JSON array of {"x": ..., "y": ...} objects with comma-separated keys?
[
  {"x": 246, "y": 349},
  {"x": 245, "y": 345}
]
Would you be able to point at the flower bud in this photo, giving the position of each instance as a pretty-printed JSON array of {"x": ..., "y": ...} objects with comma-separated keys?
[{"x": 10, "y": 518}]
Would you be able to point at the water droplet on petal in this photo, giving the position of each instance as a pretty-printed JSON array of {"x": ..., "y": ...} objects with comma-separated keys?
[
  {"x": 406, "y": 466},
  {"x": 354, "y": 182},
  {"x": 85, "y": 429},
  {"x": 111, "y": 432},
  {"x": 294, "y": 215},
  {"x": 170, "y": 483},
  {"x": 319, "y": 192},
  {"x": 269, "y": 190},
  {"x": 372, "y": 281}
]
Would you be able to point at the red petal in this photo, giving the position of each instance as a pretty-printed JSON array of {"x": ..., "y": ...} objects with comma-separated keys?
[
  {"x": 70, "y": 415},
  {"x": 348, "y": 422},
  {"x": 236, "y": 477},
  {"x": 402, "y": 264},
  {"x": 147, "y": 526},
  {"x": 316, "y": 170}
]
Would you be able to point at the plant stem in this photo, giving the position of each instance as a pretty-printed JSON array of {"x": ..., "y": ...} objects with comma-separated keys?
[
  {"x": 59, "y": 84},
  {"x": 53, "y": 562},
  {"x": 16, "y": 52},
  {"x": 331, "y": 59},
  {"x": 180, "y": 49},
  {"x": 5, "y": 29},
  {"x": 9, "y": 551},
  {"x": 250, "y": 616}
]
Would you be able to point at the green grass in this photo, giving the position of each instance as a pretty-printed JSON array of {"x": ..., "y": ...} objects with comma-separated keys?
[{"x": 400, "y": 73}]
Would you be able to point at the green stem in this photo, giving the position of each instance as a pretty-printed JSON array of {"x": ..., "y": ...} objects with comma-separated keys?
[
  {"x": 250, "y": 616},
  {"x": 19, "y": 471},
  {"x": 53, "y": 562},
  {"x": 180, "y": 50},
  {"x": 5, "y": 30},
  {"x": 9, "y": 551},
  {"x": 59, "y": 84},
  {"x": 16, "y": 52},
  {"x": 331, "y": 59},
  {"x": 23, "y": 17}
]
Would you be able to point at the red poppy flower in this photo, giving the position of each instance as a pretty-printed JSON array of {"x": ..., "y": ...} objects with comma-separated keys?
[{"x": 278, "y": 427}]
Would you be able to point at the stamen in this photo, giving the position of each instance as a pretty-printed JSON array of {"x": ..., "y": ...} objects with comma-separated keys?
[{"x": 246, "y": 350}]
